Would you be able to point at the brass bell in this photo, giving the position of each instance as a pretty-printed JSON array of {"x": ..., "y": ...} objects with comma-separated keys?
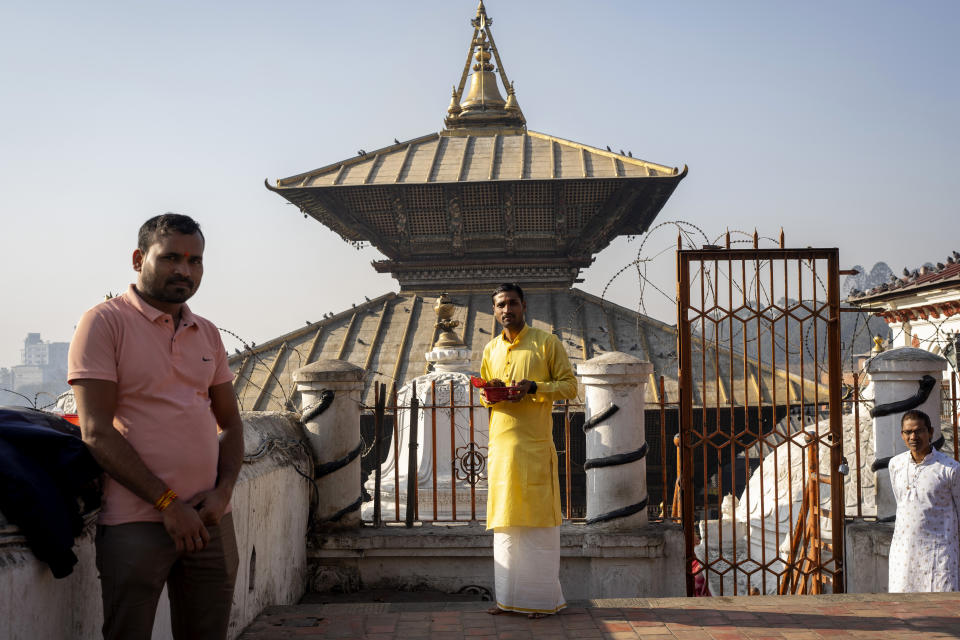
[{"x": 484, "y": 93}]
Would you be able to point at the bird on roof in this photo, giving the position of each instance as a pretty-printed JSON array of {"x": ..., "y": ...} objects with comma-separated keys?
[
  {"x": 236, "y": 350},
  {"x": 361, "y": 152},
  {"x": 622, "y": 153},
  {"x": 309, "y": 323},
  {"x": 395, "y": 141},
  {"x": 893, "y": 278},
  {"x": 956, "y": 256},
  {"x": 950, "y": 260},
  {"x": 367, "y": 298},
  {"x": 941, "y": 266},
  {"x": 353, "y": 305},
  {"x": 609, "y": 149},
  {"x": 906, "y": 272}
]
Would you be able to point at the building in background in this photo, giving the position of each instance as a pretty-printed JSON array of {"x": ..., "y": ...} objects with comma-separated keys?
[
  {"x": 922, "y": 307},
  {"x": 41, "y": 375}
]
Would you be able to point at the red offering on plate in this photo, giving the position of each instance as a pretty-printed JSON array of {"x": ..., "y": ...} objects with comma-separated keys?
[
  {"x": 495, "y": 394},
  {"x": 498, "y": 394}
]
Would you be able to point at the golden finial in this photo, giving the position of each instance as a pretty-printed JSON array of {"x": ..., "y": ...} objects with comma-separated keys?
[
  {"x": 454, "y": 107},
  {"x": 445, "y": 309},
  {"x": 482, "y": 105},
  {"x": 512, "y": 104},
  {"x": 877, "y": 344}
]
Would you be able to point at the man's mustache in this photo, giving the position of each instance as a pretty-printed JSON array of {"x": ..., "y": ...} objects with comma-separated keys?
[{"x": 176, "y": 281}]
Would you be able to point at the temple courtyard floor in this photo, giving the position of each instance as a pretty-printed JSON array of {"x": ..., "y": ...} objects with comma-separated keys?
[{"x": 902, "y": 616}]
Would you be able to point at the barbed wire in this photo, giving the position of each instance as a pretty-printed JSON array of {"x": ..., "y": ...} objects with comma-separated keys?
[
  {"x": 36, "y": 398},
  {"x": 253, "y": 353}
]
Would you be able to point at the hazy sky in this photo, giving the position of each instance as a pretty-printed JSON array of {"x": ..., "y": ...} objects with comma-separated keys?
[{"x": 836, "y": 120}]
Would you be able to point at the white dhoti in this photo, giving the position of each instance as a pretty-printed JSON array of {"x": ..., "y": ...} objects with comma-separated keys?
[{"x": 527, "y": 569}]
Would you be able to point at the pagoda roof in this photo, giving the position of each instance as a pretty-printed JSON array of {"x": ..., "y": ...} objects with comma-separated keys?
[
  {"x": 478, "y": 196},
  {"x": 485, "y": 200},
  {"x": 480, "y": 155}
]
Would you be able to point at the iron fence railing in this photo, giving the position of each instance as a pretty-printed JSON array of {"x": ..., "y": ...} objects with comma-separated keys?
[
  {"x": 443, "y": 478},
  {"x": 466, "y": 457}
]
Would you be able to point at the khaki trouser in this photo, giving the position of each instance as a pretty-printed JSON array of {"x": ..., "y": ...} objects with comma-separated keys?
[{"x": 136, "y": 559}]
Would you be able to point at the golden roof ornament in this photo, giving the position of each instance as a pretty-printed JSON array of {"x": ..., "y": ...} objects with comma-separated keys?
[
  {"x": 447, "y": 339},
  {"x": 483, "y": 105},
  {"x": 512, "y": 104},
  {"x": 454, "y": 108}
]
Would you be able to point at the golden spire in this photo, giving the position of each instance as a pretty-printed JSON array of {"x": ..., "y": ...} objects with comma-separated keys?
[
  {"x": 483, "y": 105},
  {"x": 454, "y": 108}
]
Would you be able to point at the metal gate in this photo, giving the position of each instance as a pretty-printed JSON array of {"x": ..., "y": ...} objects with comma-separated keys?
[{"x": 761, "y": 424}]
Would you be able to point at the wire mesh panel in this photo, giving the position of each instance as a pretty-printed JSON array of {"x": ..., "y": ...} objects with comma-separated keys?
[{"x": 761, "y": 425}]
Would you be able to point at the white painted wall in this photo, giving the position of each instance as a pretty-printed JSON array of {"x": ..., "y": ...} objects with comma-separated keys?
[
  {"x": 868, "y": 556},
  {"x": 270, "y": 507},
  {"x": 645, "y": 562}
]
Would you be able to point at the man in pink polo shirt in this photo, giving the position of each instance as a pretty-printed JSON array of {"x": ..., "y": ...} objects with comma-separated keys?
[{"x": 152, "y": 386}]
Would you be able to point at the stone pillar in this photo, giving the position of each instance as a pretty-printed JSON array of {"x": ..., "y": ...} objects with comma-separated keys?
[
  {"x": 898, "y": 375},
  {"x": 615, "y": 385},
  {"x": 330, "y": 409}
]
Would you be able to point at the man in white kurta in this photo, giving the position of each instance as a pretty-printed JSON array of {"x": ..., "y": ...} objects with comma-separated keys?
[{"x": 925, "y": 550}]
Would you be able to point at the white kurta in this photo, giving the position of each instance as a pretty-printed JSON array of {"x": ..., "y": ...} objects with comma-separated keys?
[{"x": 925, "y": 551}]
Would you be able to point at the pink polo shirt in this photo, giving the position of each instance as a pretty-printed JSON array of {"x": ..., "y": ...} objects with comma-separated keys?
[{"x": 163, "y": 379}]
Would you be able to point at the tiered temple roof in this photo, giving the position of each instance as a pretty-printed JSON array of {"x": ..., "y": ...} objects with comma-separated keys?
[
  {"x": 482, "y": 202},
  {"x": 485, "y": 200}
]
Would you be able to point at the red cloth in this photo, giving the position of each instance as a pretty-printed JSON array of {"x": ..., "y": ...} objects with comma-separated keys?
[{"x": 700, "y": 587}]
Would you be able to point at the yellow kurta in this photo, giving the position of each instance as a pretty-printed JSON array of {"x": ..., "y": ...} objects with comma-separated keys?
[{"x": 523, "y": 486}]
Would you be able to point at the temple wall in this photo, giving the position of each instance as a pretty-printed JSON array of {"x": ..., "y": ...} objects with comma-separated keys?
[
  {"x": 868, "y": 551},
  {"x": 270, "y": 506},
  {"x": 647, "y": 562}
]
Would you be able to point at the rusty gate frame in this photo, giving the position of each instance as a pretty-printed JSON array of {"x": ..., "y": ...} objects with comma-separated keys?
[{"x": 797, "y": 569}]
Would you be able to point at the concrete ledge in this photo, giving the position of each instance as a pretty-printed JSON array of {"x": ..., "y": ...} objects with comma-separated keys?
[
  {"x": 451, "y": 558},
  {"x": 867, "y": 557}
]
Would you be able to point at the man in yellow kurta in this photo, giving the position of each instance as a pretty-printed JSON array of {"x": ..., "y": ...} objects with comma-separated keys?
[{"x": 523, "y": 501}]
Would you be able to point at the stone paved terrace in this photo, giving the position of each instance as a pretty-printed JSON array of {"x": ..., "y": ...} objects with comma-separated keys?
[{"x": 723, "y": 618}]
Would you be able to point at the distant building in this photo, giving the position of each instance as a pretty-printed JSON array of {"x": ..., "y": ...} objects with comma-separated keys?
[
  {"x": 922, "y": 307},
  {"x": 38, "y": 353},
  {"x": 41, "y": 374}
]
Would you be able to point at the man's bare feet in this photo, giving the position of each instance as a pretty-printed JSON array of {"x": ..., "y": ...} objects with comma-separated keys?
[
  {"x": 537, "y": 616},
  {"x": 496, "y": 611}
]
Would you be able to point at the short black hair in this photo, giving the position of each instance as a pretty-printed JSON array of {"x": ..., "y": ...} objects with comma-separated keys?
[
  {"x": 919, "y": 416},
  {"x": 165, "y": 224},
  {"x": 507, "y": 286}
]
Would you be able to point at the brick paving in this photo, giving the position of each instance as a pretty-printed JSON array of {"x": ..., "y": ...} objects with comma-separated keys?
[{"x": 914, "y": 616}]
